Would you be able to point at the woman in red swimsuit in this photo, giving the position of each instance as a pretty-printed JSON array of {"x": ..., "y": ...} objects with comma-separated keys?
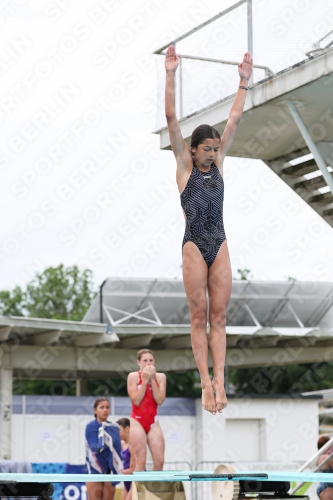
[{"x": 147, "y": 389}]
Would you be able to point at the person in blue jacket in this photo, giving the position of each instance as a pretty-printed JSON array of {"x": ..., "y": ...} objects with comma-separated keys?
[{"x": 103, "y": 451}]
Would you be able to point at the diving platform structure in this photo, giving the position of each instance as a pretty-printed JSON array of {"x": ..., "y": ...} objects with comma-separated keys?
[
  {"x": 277, "y": 322},
  {"x": 268, "y": 324},
  {"x": 288, "y": 124}
]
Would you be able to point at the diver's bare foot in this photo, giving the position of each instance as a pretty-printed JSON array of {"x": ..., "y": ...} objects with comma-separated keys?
[
  {"x": 220, "y": 395},
  {"x": 208, "y": 398}
]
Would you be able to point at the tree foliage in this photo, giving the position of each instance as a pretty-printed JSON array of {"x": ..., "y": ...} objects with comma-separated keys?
[
  {"x": 56, "y": 293},
  {"x": 44, "y": 387},
  {"x": 283, "y": 379},
  {"x": 12, "y": 302},
  {"x": 243, "y": 274},
  {"x": 186, "y": 385}
]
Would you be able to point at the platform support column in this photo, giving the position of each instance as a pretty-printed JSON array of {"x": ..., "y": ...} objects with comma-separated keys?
[
  {"x": 311, "y": 144},
  {"x": 6, "y": 388},
  {"x": 81, "y": 387}
]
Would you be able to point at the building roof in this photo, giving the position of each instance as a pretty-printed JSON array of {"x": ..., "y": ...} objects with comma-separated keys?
[
  {"x": 40, "y": 331},
  {"x": 155, "y": 313},
  {"x": 268, "y": 323}
]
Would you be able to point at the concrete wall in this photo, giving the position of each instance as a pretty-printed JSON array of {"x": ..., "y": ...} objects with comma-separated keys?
[
  {"x": 280, "y": 430},
  {"x": 60, "y": 438}
]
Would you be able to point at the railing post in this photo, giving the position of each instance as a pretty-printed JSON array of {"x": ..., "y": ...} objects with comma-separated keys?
[
  {"x": 250, "y": 32},
  {"x": 181, "y": 111}
]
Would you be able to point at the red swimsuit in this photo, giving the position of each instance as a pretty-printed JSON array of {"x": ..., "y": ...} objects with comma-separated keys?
[{"x": 146, "y": 412}]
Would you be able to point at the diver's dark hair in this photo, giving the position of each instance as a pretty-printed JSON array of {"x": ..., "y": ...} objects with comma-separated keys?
[
  {"x": 124, "y": 422},
  {"x": 203, "y": 132}
]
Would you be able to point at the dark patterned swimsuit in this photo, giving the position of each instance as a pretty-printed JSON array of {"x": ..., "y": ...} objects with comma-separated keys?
[{"x": 202, "y": 202}]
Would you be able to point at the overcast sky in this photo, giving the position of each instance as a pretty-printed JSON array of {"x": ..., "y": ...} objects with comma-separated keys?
[{"x": 83, "y": 180}]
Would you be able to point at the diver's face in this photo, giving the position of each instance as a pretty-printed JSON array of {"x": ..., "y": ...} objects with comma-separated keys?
[{"x": 206, "y": 152}]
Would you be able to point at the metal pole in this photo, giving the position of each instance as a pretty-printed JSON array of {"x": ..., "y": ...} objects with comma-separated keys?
[
  {"x": 250, "y": 32},
  {"x": 311, "y": 144},
  {"x": 101, "y": 319},
  {"x": 6, "y": 389},
  {"x": 181, "y": 111},
  {"x": 268, "y": 71},
  {"x": 193, "y": 30}
]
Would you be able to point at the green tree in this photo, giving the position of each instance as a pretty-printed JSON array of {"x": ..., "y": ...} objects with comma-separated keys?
[
  {"x": 40, "y": 387},
  {"x": 243, "y": 274},
  {"x": 12, "y": 302},
  {"x": 56, "y": 293},
  {"x": 60, "y": 293},
  {"x": 284, "y": 379},
  {"x": 185, "y": 384}
]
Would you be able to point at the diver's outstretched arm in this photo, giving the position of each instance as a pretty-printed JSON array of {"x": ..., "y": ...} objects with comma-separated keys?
[
  {"x": 178, "y": 145},
  {"x": 245, "y": 71}
]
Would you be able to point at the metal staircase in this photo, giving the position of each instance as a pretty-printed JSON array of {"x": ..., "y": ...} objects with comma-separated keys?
[{"x": 302, "y": 174}]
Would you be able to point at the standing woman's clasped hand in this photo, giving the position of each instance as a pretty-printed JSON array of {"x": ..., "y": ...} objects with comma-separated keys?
[
  {"x": 148, "y": 372},
  {"x": 146, "y": 375}
]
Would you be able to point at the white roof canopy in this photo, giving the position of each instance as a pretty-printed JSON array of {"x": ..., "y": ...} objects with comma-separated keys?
[
  {"x": 267, "y": 323},
  {"x": 267, "y": 314}
]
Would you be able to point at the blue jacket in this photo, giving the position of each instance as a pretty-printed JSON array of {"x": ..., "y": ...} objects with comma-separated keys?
[{"x": 103, "y": 448}]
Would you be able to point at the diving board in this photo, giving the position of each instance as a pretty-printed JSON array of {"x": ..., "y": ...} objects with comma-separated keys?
[{"x": 155, "y": 476}]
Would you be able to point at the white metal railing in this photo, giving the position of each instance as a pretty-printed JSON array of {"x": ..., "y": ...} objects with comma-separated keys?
[
  {"x": 268, "y": 73},
  {"x": 316, "y": 455},
  {"x": 326, "y": 446},
  {"x": 161, "y": 50},
  {"x": 195, "y": 92},
  {"x": 316, "y": 48}
]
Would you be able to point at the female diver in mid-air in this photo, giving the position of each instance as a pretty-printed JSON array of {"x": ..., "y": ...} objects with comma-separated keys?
[{"x": 206, "y": 263}]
